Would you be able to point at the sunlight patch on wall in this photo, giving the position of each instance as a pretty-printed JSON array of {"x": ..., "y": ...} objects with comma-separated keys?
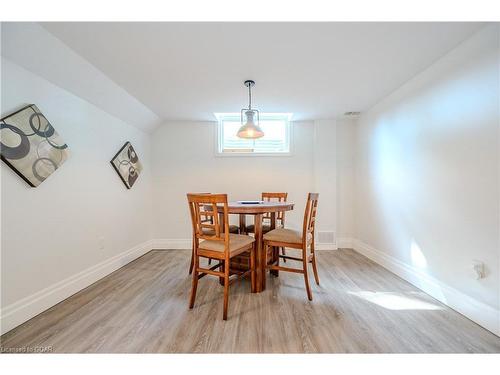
[{"x": 417, "y": 257}]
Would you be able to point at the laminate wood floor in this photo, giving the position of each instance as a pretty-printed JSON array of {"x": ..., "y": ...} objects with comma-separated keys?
[{"x": 359, "y": 308}]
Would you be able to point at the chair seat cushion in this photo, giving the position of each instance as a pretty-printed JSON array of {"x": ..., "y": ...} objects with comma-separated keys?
[
  {"x": 286, "y": 235},
  {"x": 251, "y": 228},
  {"x": 211, "y": 232},
  {"x": 236, "y": 242}
]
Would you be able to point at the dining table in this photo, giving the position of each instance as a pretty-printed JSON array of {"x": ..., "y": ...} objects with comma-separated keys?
[{"x": 256, "y": 209}]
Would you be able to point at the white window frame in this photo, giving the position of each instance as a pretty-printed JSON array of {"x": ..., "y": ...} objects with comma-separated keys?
[{"x": 264, "y": 116}]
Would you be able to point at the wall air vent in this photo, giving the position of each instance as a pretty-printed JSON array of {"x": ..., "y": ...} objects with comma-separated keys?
[
  {"x": 325, "y": 237},
  {"x": 352, "y": 114}
]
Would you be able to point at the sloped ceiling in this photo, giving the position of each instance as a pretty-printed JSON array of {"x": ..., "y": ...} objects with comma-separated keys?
[{"x": 188, "y": 71}]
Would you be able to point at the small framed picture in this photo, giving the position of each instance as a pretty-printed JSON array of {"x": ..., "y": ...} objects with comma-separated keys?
[
  {"x": 126, "y": 163},
  {"x": 31, "y": 146}
]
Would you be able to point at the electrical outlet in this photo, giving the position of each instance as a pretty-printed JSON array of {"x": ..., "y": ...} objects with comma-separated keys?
[{"x": 478, "y": 268}]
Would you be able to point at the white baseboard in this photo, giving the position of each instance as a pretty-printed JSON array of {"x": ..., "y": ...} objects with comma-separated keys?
[
  {"x": 479, "y": 312},
  {"x": 325, "y": 246},
  {"x": 171, "y": 244},
  {"x": 342, "y": 243},
  {"x": 345, "y": 243},
  {"x": 19, "y": 312},
  {"x": 181, "y": 244}
]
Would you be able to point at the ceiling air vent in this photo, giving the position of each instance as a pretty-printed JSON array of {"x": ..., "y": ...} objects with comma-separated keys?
[{"x": 352, "y": 114}]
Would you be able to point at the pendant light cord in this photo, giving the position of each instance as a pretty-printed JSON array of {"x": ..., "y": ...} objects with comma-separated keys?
[{"x": 249, "y": 97}]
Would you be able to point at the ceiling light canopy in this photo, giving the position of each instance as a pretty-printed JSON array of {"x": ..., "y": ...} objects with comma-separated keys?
[{"x": 250, "y": 129}]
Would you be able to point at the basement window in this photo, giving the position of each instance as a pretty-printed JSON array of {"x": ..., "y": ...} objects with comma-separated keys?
[{"x": 276, "y": 139}]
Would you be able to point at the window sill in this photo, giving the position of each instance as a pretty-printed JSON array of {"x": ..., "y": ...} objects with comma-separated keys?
[{"x": 250, "y": 154}]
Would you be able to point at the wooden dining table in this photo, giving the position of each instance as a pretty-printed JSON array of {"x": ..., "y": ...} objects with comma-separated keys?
[{"x": 257, "y": 210}]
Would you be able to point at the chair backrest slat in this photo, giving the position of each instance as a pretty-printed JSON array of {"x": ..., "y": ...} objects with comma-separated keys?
[
  {"x": 275, "y": 197},
  {"x": 204, "y": 209},
  {"x": 310, "y": 216}
]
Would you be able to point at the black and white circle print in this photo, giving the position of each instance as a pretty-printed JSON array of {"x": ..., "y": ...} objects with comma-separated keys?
[
  {"x": 126, "y": 163},
  {"x": 30, "y": 145}
]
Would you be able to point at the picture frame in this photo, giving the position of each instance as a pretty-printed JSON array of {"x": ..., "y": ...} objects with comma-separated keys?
[
  {"x": 30, "y": 145},
  {"x": 127, "y": 164}
]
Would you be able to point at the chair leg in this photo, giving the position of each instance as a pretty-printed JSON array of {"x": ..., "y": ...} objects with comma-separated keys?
[
  {"x": 264, "y": 271},
  {"x": 252, "y": 269},
  {"x": 221, "y": 269},
  {"x": 283, "y": 252},
  {"x": 277, "y": 257},
  {"x": 226, "y": 290},
  {"x": 274, "y": 255},
  {"x": 195, "y": 282},
  {"x": 306, "y": 276},
  {"x": 192, "y": 261},
  {"x": 209, "y": 261},
  {"x": 315, "y": 269},
  {"x": 191, "y": 265}
]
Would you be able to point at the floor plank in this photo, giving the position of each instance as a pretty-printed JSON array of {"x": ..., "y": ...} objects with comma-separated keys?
[{"x": 359, "y": 308}]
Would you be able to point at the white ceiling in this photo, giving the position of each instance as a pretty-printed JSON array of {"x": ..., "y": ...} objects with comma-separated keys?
[
  {"x": 33, "y": 48},
  {"x": 188, "y": 71}
]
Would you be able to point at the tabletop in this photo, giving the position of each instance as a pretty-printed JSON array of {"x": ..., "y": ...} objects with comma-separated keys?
[{"x": 258, "y": 208}]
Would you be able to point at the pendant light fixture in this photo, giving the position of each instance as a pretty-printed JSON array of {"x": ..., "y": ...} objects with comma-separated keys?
[{"x": 250, "y": 129}]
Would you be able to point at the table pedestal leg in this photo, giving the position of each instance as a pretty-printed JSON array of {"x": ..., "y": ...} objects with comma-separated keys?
[
  {"x": 273, "y": 220},
  {"x": 243, "y": 225},
  {"x": 261, "y": 266}
]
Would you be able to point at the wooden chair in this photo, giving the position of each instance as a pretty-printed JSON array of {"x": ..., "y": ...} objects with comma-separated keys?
[
  {"x": 282, "y": 237},
  {"x": 280, "y": 217},
  {"x": 208, "y": 219},
  {"x": 219, "y": 244},
  {"x": 266, "y": 218}
]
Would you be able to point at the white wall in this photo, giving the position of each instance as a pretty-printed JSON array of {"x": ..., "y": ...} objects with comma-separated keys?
[
  {"x": 428, "y": 178},
  {"x": 50, "y": 234},
  {"x": 325, "y": 179},
  {"x": 184, "y": 160},
  {"x": 345, "y": 156}
]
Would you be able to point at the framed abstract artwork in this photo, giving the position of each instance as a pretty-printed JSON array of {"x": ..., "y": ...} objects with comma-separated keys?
[
  {"x": 31, "y": 146},
  {"x": 126, "y": 163}
]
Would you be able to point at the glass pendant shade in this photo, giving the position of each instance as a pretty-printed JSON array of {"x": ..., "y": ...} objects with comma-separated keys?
[{"x": 250, "y": 130}]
